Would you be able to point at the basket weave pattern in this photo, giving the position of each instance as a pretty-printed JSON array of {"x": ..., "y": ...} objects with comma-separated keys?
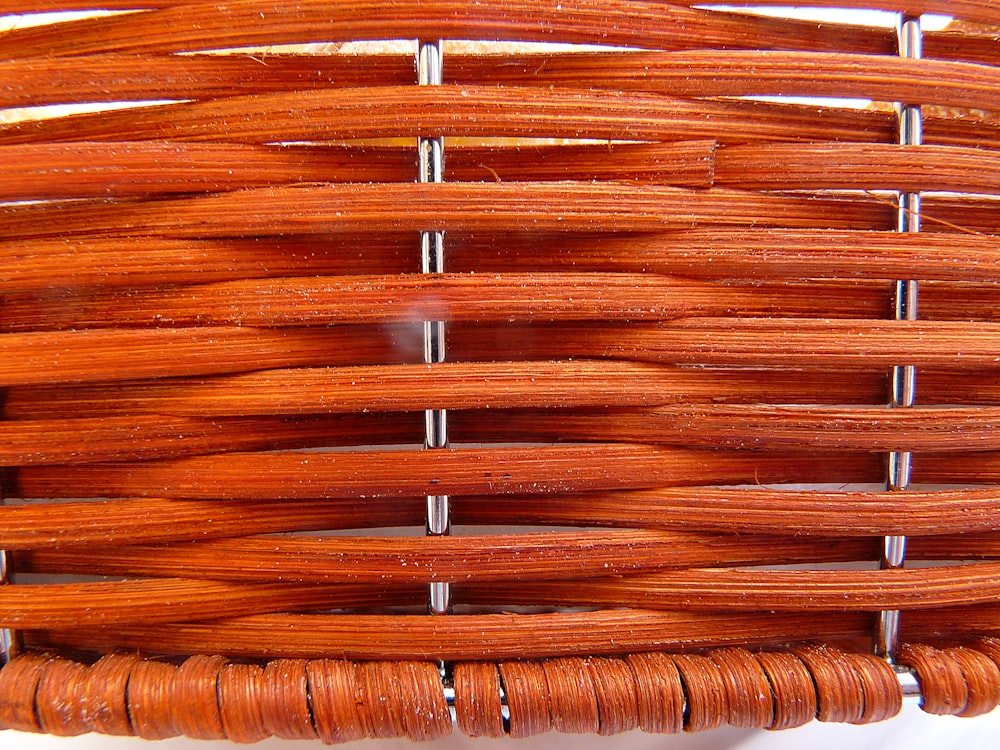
[{"x": 615, "y": 309}]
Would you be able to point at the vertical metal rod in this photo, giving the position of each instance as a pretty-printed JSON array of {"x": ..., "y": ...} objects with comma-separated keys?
[
  {"x": 430, "y": 72},
  {"x": 904, "y": 377}
]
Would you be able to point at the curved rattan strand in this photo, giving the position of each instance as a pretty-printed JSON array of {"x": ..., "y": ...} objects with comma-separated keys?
[
  {"x": 241, "y": 690},
  {"x": 527, "y": 690},
  {"x": 571, "y": 691},
  {"x": 883, "y": 696},
  {"x": 285, "y": 700},
  {"x": 704, "y": 687},
  {"x": 943, "y": 686},
  {"x": 794, "y": 692},
  {"x": 748, "y": 692},
  {"x": 60, "y": 699},
  {"x": 335, "y": 699},
  {"x": 478, "y": 708},
  {"x": 660, "y": 692},
  {"x": 150, "y": 700},
  {"x": 617, "y": 695},
  {"x": 19, "y": 680},
  {"x": 384, "y": 704},
  {"x": 983, "y": 678},
  {"x": 426, "y": 715},
  {"x": 839, "y": 690},
  {"x": 106, "y": 692},
  {"x": 194, "y": 696}
]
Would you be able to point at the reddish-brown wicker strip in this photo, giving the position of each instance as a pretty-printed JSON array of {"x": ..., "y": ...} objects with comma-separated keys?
[
  {"x": 758, "y": 511},
  {"x": 64, "y": 356},
  {"x": 398, "y": 298},
  {"x": 176, "y": 600},
  {"x": 480, "y": 111},
  {"x": 408, "y": 473},
  {"x": 973, "y": 10},
  {"x": 731, "y": 72},
  {"x": 763, "y": 427},
  {"x": 478, "y": 708},
  {"x": 858, "y": 167},
  {"x": 88, "y": 262},
  {"x": 136, "y": 438},
  {"x": 736, "y": 510},
  {"x": 449, "y": 385},
  {"x": 617, "y": 22},
  {"x": 149, "y": 168},
  {"x": 476, "y": 637},
  {"x": 131, "y": 77},
  {"x": 496, "y": 558},
  {"x": 800, "y": 591},
  {"x": 36, "y": 265},
  {"x": 569, "y": 207}
]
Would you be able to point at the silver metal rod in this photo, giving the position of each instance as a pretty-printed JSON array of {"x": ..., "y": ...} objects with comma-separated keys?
[
  {"x": 430, "y": 72},
  {"x": 903, "y": 377}
]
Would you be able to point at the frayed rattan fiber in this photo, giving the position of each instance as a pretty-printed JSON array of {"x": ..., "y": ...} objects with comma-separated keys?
[{"x": 373, "y": 369}]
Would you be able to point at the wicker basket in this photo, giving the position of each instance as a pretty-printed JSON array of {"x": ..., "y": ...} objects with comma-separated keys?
[{"x": 557, "y": 377}]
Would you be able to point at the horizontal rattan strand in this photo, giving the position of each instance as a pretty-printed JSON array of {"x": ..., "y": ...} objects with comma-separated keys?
[
  {"x": 553, "y": 207},
  {"x": 45, "y": 264},
  {"x": 67, "y": 356},
  {"x": 466, "y": 471},
  {"x": 83, "y": 441},
  {"x": 505, "y": 636},
  {"x": 460, "y": 385},
  {"x": 407, "y": 298},
  {"x": 206, "y": 26},
  {"x": 150, "y": 168},
  {"x": 761, "y": 255},
  {"x": 499, "y": 558},
  {"x": 157, "y": 520},
  {"x": 488, "y": 207},
  {"x": 83, "y": 355},
  {"x": 750, "y": 511},
  {"x": 754, "y": 427},
  {"x": 540, "y": 470},
  {"x": 707, "y": 589},
  {"x": 502, "y": 636},
  {"x": 168, "y": 601},
  {"x": 738, "y": 510},
  {"x": 748, "y": 73},
  {"x": 844, "y": 166},
  {"x": 124, "y": 169},
  {"x": 561, "y": 295},
  {"x": 480, "y": 111},
  {"x": 983, "y": 11},
  {"x": 753, "y": 342},
  {"x": 131, "y": 77},
  {"x": 828, "y": 429}
]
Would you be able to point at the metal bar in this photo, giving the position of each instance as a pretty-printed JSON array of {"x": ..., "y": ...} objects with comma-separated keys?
[
  {"x": 430, "y": 72},
  {"x": 904, "y": 377}
]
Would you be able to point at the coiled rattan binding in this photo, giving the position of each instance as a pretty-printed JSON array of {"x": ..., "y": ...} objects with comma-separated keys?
[{"x": 621, "y": 337}]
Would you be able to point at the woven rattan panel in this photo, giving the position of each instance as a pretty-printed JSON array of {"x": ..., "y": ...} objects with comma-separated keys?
[{"x": 372, "y": 368}]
